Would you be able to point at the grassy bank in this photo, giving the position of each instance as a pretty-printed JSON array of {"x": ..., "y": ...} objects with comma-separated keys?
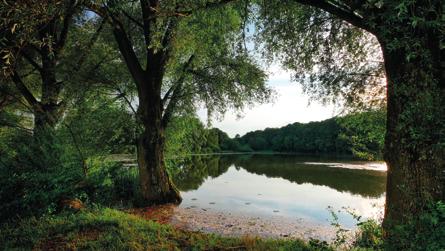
[{"x": 108, "y": 229}]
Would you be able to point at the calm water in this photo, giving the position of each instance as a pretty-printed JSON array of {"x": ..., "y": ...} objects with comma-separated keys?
[{"x": 283, "y": 185}]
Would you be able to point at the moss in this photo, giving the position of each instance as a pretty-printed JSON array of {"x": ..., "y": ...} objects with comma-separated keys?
[{"x": 108, "y": 229}]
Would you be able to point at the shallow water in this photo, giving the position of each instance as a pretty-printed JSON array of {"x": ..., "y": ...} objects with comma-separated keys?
[{"x": 297, "y": 189}]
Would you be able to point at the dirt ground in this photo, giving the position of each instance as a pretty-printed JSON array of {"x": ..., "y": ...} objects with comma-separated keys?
[{"x": 208, "y": 220}]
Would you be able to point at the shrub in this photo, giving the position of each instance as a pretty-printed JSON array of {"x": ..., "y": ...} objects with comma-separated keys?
[
  {"x": 425, "y": 232},
  {"x": 109, "y": 183},
  {"x": 33, "y": 178},
  {"x": 370, "y": 235}
]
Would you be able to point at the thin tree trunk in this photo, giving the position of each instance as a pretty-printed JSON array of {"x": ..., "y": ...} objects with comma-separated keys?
[{"x": 414, "y": 149}]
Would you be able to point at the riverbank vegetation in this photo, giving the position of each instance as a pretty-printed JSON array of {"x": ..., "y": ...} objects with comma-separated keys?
[
  {"x": 108, "y": 229},
  {"x": 360, "y": 135},
  {"x": 81, "y": 80}
]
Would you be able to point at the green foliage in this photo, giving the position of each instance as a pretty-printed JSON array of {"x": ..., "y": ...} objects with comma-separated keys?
[
  {"x": 425, "y": 231},
  {"x": 18, "y": 27},
  {"x": 333, "y": 60},
  {"x": 230, "y": 145},
  {"x": 314, "y": 137},
  {"x": 359, "y": 134},
  {"x": 341, "y": 234},
  {"x": 222, "y": 75},
  {"x": 194, "y": 170},
  {"x": 99, "y": 125},
  {"x": 33, "y": 178},
  {"x": 37, "y": 172},
  {"x": 370, "y": 235},
  {"x": 187, "y": 135},
  {"x": 107, "y": 229},
  {"x": 364, "y": 133},
  {"x": 111, "y": 184}
]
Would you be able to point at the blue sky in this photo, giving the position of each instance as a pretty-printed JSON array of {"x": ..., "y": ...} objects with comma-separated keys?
[{"x": 289, "y": 106}]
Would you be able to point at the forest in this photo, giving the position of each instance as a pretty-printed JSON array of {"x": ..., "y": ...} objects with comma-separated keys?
[
  {"x": 360, "y": 135},
  {"x": 99, "y": 102}
]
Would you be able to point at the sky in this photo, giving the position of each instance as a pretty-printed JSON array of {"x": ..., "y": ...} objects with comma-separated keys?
[{"x": 289, "y": 106}]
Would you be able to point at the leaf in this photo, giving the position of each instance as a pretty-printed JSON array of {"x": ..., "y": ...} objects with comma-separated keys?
[{"x": 13, "y": 28}]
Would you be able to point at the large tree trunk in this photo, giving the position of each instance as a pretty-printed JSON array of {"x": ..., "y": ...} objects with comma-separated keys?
[
  {"x": 155, "y": 183},
  {"x": 48, "y": 114},
  {"x": 414, "y": 144}
]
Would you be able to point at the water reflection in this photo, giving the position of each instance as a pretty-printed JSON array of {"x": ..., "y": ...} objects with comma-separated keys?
[
  {"x": 195, "y": 170},
  {"x": 290, "y": 186},
  {"x": 299, "y": 169}
]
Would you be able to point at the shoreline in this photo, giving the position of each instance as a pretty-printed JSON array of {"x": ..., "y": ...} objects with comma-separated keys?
[{"x": 210, "y": 221}]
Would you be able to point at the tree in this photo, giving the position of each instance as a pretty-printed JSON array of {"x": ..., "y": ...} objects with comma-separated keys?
[
  {"x": 183, "y": 56},
  {"x": 39, "y": 43},
  {"x": 41, "y": 64},
  {"x": 364, "y": 132},
  {"x": 42, "y": 69},
  {"x": 410, "y": 35}
]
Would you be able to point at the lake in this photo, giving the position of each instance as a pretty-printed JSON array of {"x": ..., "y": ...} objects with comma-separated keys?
[{"x": 265, "y": 191}]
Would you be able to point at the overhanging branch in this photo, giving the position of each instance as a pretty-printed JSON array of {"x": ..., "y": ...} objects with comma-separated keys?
[{"x": 336, "y": 10}]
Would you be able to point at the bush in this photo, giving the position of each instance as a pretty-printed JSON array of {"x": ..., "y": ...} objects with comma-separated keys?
[
  {"x": 33, "y": 178},
  {"x": 37, "y": 173},
  {"x": 426, "y": 232},
  {"x": 370, "y": 235},
  {"x": 109, "y": 183}
]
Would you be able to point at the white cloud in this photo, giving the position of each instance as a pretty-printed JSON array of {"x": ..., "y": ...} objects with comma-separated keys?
[{"x": 290, "y": 106}]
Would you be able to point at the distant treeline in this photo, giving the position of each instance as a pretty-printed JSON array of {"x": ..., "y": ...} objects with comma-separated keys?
[{"x": 359, "y": 134}]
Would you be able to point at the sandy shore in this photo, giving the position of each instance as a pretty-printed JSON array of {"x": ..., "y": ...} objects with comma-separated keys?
[{"x": 208, "y": 220}]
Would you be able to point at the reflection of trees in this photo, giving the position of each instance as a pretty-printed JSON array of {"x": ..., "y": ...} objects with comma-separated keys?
[
  {"x": 194, "y": 170},
  {"x": 363, "y": 182}
]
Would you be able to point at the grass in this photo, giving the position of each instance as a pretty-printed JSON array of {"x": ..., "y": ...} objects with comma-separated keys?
[{"x": 109, "y": 229}]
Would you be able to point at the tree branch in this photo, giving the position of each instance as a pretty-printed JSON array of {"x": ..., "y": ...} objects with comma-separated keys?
[
  {"x": 168, "y": 113},
  {"x": 122, "y": 94},
  {"x": 167, "y": 38},
  {"x": 126, "y": 49},
  {"x": 32, "y": 62},
  {"x": 26, "y": 93},
  {"x": 90, "y": 44},
  {"x": 171, "y": 89},
  {"x": 335, "y": 9},
  {"x": 132, "y": 19},
  {"x": 175, "y": 97},
  {"x": 66, "y": 25},
  {"x": 147, "y": 8}
]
